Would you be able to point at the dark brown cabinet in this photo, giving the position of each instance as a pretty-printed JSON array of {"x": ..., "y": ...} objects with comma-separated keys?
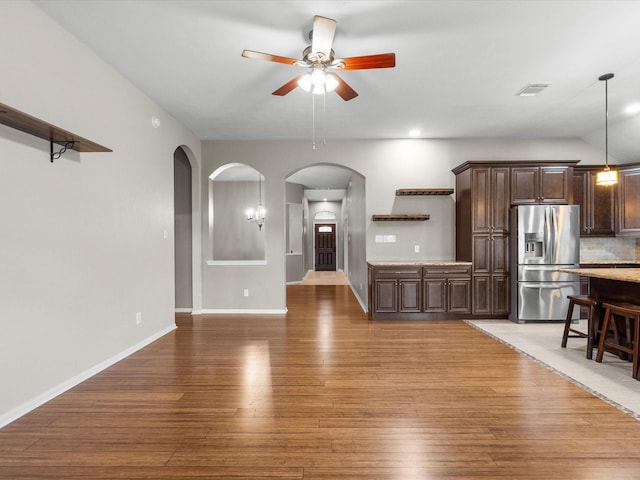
[
  {"x": 446, "y": 290},
  {"x": 540, "y": 184},
  {"x": 482, "y": 233},
  {"x": 628, "y": 223},
  {"x": 397, "y": 289},
  {"x": 596, "y": 203},
  {"x": 420, "y": 291},
  {"x": 490, "y": 199},
  {"x": 491, "y": 274}
]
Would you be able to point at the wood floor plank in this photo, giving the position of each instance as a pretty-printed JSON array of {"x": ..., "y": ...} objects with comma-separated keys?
[{"x": 322, "y": 392}]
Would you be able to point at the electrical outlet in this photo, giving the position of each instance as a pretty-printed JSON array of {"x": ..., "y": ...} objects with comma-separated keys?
[
  {"x": 416, "y": 248},
  {"x": 246, "y": 292},
  {"x": 138, "y": 318}
]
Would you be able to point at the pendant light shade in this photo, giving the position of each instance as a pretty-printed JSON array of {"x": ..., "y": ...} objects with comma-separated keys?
[{"x": 606, "y": 176}]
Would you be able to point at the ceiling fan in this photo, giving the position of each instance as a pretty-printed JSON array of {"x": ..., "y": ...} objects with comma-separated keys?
[{"x": 319, "y": 59}]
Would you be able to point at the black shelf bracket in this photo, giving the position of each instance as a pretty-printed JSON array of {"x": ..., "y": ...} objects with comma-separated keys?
[{"x": 63, "y": 148}]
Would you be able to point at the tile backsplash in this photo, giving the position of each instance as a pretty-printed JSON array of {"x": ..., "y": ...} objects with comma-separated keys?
[{"x": 609, "y": 249}]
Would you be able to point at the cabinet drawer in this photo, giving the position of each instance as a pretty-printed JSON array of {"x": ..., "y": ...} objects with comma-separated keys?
[
  {"x": 448, "y": 271},
  {"x": 398, "y": 272}
]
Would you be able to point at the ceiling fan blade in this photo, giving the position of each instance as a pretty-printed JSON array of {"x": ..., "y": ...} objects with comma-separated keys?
[
  {"x": 324, "y": 30},
  {"x": 382, "y": 60},
  {"x": 344, "y": 90},
  {"x": 287, "y": 87},
  {"x": 268, "y": 57}
]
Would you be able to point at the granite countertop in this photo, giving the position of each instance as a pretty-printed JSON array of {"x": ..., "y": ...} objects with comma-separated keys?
[
  {"x": 610, "y": 262},
  {"x": 433, "y": 263},
  {"x": 621, "y": 274}
]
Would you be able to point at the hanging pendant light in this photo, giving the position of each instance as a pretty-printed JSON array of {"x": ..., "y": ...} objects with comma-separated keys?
[
  {"x": 606, "y": 176},
  {"x": 258, "y": 214}
]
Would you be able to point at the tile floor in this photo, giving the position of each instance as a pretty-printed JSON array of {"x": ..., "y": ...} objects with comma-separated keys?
[{"x": 610, "y": 380}]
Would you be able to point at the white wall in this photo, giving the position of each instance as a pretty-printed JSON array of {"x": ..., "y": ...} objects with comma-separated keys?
[
  {"x": 386, "y": 165},
  {"x": 87, "y": 242}
]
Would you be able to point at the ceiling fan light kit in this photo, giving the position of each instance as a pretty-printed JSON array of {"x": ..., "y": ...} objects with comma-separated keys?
[{"x": 318, "y": 81}]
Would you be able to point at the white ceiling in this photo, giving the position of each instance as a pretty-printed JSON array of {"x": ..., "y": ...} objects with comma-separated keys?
[{"x": 459, "y": 66}]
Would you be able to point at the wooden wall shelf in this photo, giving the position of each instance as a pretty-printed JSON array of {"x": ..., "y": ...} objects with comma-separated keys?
[
  {"x": 33, "y": 126},
  {"x": 405, "y": 192},
  {"x": 400, "y": 218}
]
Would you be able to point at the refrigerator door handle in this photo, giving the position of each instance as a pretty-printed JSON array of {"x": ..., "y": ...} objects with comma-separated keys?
[
  {"x": 547, "y": 237},
  {"x": 553, "y": 237},
  {"x": 538, "y": 285}
]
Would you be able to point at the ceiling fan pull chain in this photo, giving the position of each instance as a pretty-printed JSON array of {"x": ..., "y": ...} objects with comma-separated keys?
[
  {"x": 313, "y": 121},
  {"x": 324, "y": 120}
]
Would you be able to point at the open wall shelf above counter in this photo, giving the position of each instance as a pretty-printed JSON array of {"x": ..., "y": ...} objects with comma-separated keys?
[
  {"x": 39, "y": 128},
  {"x": 415, "y": 217},
  {"x": 411, "y": 192}
]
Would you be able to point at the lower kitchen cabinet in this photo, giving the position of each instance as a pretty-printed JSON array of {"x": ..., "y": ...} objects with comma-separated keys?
[
  {"x": 397, "y": 295},
  {"x": 491, "y": 295},
  {"x": 397, "y": 290},
  {"x": 446, "y": 290},
  {"x": 420, "y": 291}
]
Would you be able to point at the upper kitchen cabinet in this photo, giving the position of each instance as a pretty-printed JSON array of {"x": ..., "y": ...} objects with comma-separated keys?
[
  {"x": 490, "y": 203},
  {"x": 596, "y": 203},
  {"x": 628, "y": 201},
  {"x": 542, "y": 182}
]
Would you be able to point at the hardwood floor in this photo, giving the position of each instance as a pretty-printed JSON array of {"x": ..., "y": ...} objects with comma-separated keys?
[
  {"x": 323, "y": 393},
  {"x": 325, "y": 278}
]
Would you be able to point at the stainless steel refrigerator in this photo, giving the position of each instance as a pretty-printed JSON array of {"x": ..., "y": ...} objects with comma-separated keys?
[{"x": 545, "y": 238}]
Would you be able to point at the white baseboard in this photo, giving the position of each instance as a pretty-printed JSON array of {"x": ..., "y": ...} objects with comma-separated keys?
[
  {"x": 362, "y": 304},
  {"x": 233, "y": 311},
  {"x": 183, "y": 310},
  {"x": 53, "y": 392}
]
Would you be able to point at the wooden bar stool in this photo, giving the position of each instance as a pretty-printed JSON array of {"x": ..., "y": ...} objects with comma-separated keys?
[
  {"x": 590, "y": 334},
  {"x": 612, "y": 339}
]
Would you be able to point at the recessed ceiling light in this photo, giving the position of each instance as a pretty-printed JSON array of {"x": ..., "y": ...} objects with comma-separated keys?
[
  {"x": 532, "y": 89},
  {"x": 632, "y": 109},
  {"x": 415, "y": 132}
]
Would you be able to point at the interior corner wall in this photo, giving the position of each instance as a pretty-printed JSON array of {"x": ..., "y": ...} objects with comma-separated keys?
[
  {"x": 355, "y": 213},
  {"x": 87, "y": 241},
  {"x": 294, "y": 194}
]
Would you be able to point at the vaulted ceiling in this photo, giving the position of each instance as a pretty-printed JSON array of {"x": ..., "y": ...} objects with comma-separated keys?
[{"x": 459, "y": 65}]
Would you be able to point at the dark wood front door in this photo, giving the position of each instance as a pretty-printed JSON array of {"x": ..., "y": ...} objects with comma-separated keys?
[{"x": 325, "y": 241}]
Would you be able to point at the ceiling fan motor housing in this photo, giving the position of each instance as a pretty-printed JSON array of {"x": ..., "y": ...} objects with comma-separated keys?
[{"x": 311, "y": 57}]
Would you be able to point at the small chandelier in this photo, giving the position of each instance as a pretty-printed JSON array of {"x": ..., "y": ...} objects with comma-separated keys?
[
  {"x": 606, "y": 176},
  {"x": 258, "y": 214}
]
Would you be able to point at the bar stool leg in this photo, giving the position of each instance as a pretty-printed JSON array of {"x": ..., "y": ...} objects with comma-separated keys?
[
  {"x": 591, "y": 331},
  {"x": 567, "y": 323},
  {"x": 603, "y": 335},
  {"x": 636, "y": 347}
]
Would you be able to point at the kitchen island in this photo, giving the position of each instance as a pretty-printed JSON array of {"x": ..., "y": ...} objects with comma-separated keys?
[
  {"x": 419, "y": 290},
  {"x": 618, "y": 284}
]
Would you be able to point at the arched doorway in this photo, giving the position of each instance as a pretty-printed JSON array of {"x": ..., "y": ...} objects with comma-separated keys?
[
  {"x": 319, "y": 191},
  {"x": 183, "y": 231}
]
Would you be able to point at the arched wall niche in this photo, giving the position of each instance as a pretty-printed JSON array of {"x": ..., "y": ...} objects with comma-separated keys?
[{"x": 233, "y": 189}]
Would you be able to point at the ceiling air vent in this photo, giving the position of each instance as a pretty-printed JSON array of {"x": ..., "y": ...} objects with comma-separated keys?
[{"x": 532, "y": 89}]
